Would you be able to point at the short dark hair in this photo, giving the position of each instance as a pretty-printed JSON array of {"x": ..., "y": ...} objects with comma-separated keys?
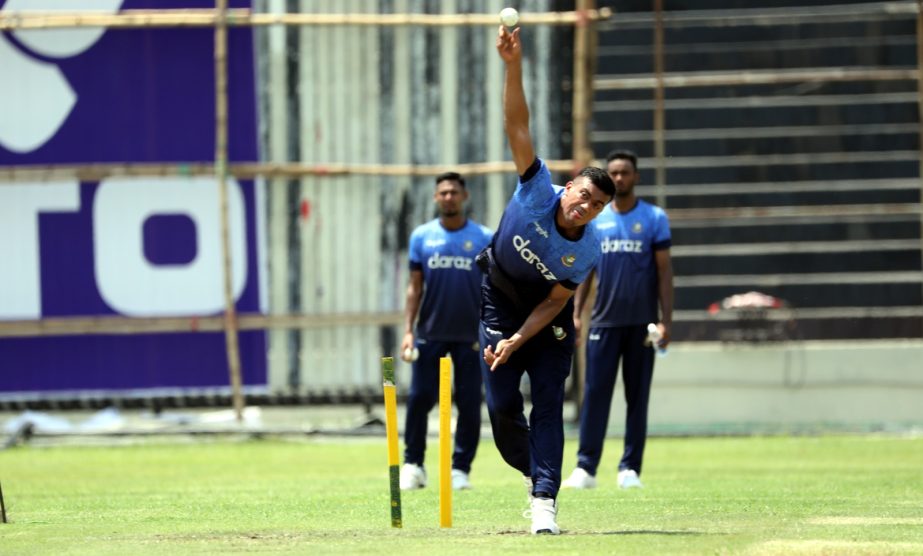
[
  {"x": 599, "y": 178},
  {"x": 451, "y": 176},
  {"x": 623, "y": 154}
]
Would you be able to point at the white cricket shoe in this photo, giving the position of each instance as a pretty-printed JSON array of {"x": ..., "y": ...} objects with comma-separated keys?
[
  {"x": 412, "y": 477},
  {"x": 544, "y": 511},
  {"x": 628, "y": 478},
  {"x": 460, "y": 480},
  {"x": 579, "y": 479}
]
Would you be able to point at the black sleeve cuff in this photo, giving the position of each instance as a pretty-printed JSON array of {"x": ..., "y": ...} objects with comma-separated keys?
[
  {"x": 661, "y": 245},
  {"x": 530, "y": 173},
  {"x": 569, "y": 284}
]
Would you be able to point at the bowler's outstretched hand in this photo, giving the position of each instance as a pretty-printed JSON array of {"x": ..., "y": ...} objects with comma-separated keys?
[{"x": 508, "y": 45}]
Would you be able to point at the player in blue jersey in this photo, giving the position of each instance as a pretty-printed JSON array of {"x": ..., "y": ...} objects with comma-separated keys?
[
  {"x": 635, "y": 275},
  {"x": 444, "y": 292},
  {"x": 541, "y": 251}
]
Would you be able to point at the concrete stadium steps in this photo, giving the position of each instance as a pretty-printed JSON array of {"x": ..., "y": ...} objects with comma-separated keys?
[
  {"x": 823, "y": 290},
  {"x": 783, "y": 198},
  {"x": 795, "y": 326},
  {"x": 760, "y": 47},
  {"x": 704, "y": 110},
  {"x": 792, "y": 160},
  {"x": 802, "y": 166},
  {"x": 697, "y": 234},
  {"x": 765, "y": 259}
]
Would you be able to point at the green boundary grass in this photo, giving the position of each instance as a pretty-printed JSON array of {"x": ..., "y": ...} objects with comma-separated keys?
[{"x": 744, "y": 495}]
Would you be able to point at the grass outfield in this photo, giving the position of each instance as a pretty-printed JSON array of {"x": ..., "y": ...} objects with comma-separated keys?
[{"x": 760, "y": 495}]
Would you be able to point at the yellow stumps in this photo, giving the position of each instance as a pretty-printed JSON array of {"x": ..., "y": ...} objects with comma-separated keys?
[
  {"x": 445, "y": 442},
  {"x": 394, "y": 471}
]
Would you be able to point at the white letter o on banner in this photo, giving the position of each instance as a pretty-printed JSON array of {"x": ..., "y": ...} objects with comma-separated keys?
[{"x": 129, "y": 283}]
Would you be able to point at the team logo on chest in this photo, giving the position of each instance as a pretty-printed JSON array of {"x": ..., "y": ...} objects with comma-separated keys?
[
  {"x": 568, "y": 260},
  {"x": 468, "y": 245},
  {"x": 447, "y": 261},
  {"x": 621, "y": 246},
  {"x": 522, "y": 247},
  {"x": 636, "y": 228}
]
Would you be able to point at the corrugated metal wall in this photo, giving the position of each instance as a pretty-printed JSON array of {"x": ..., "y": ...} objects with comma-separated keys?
[{"x": 390, "y": 95}]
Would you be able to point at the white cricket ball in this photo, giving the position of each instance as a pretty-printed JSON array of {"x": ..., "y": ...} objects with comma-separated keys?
[
  {"x": 411, "y": 354},
  {"x": 509, "y": 17}
]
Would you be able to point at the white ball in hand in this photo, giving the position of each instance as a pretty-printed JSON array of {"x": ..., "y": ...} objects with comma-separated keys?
[
  {"x": 509, "y": 17},
  {"x": 411, "y": 354}
]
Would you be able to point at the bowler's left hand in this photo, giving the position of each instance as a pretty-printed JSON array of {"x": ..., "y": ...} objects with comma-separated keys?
[{"x": 505, "y": 349}]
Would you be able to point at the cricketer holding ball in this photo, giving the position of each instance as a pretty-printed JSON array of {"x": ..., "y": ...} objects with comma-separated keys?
[
  {"x": 635, "y": 276},
  {"x": 542, "y": 250},
  {"x": 444, "y": 292}
]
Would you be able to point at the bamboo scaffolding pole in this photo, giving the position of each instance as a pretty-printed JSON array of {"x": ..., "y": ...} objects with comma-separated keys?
[
  {"x": 97, "y": 171},
  {"x": 660, "y": 147},
  {"x": 221, "y": 170},
  {"x": 74, "y": 326},
  {"x": 90, "y": 325},
  {"x": 126, "y": 19},
  {"x": 582, "y": 152},
  {"x": 10, "y": 21},
  {"x": 83, "y": 326}
]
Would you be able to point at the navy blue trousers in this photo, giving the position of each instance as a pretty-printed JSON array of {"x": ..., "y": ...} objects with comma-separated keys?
[
  {"x": 536, "y": 447},
  {"x": 605, "y": 348},
  {"x": 424, "y": 395}
]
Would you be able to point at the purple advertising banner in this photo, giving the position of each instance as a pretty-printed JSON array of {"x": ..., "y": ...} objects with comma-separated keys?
[{"x": 137, "y": 247}]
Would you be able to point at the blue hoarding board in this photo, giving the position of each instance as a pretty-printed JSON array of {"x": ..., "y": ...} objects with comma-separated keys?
[{"x": 145, "y": 246}]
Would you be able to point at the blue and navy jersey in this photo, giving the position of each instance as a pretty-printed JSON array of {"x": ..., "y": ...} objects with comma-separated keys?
[
  {"x": 532, "y": 253},
  {"x": 451, "y": 280},
  {"x": 627, "y": 272}
]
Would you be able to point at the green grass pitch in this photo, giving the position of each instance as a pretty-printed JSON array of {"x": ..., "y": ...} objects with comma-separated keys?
[{"x": 741, "y": 495}]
